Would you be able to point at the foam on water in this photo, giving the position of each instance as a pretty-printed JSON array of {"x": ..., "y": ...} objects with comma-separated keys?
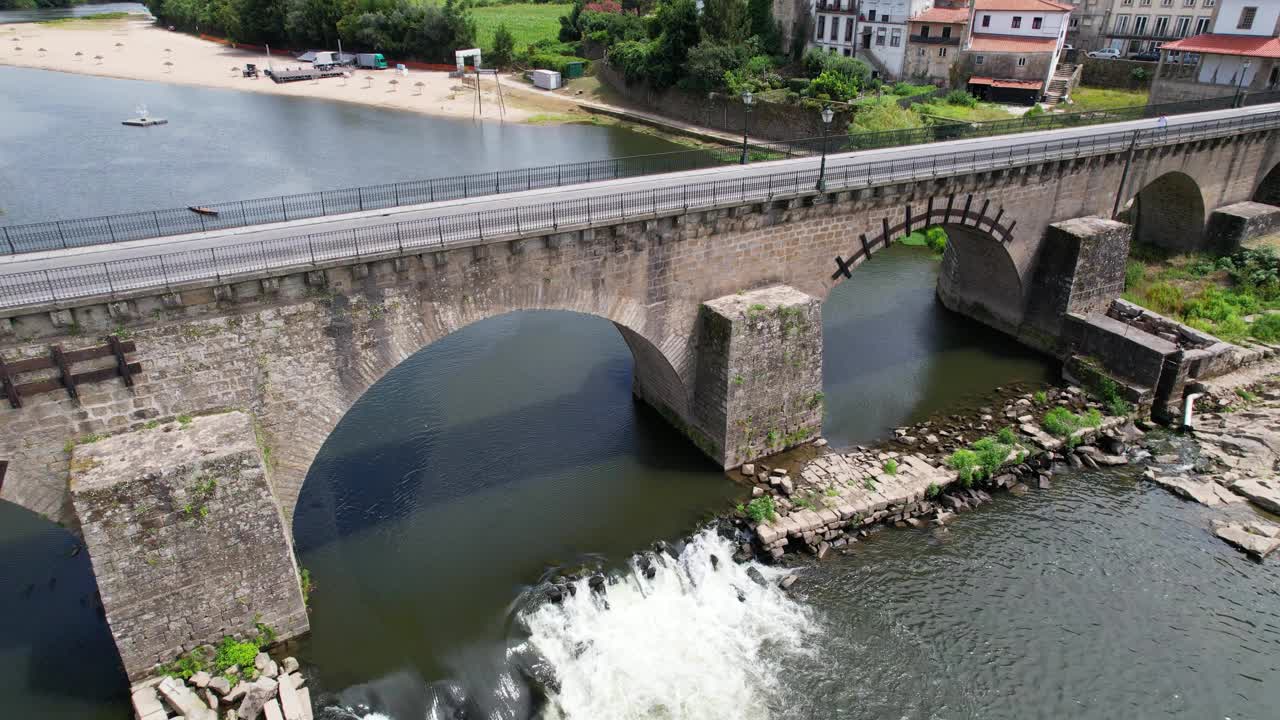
[{"x": 693, "y": 642}]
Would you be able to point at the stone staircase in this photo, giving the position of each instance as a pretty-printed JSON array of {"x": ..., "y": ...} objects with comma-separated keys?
[{"x": 1060, "y": 83}]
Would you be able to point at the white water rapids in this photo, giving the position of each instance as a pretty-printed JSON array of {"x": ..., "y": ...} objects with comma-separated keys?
[
  {"x": 697, "y": 641},
  {"x": 679, "y": 646}
]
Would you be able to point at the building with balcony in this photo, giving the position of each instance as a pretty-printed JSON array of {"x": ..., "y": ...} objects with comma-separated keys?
[
  {"x": 872, "y": 30},
  {"x": 1140, "y": 26},
  {"x": 1239, "y": 54},
  {"x": 933, "y": 42},
  {"x": 1011, "y": 50}
]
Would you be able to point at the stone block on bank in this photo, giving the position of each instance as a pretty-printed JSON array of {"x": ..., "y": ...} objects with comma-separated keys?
[{"x": 1228, "y": 227}]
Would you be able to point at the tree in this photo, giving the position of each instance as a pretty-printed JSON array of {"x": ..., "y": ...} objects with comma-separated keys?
[
  {"x": 674, "y": 27},
  {"x": 725, "y": 21},
  {"x": 763, "y": 25},
  {"x": 504, "y": 45}
]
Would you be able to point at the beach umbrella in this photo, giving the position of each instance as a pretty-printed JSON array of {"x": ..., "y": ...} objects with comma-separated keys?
[
  {"x": 98, "y": 58},
  {"x": 15, "y": 39},
  {"x": 368, "y": 79},
  {"x": 79, "y": 55},
  {"x": 168, "y": 66},
  {"x": 419, "y": 85},
  {"x": 18, "y": 49},
  {"x": 394, "y": 83},
  {"x": 235, "y": 69},
  {"x": 118, "y": 46},
  {"x": 42, "y": 51},
  {"x": 168, "y": 51}
]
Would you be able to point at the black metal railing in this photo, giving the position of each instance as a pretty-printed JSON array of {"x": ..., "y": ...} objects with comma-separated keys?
[
  {"x": 62, "y": 234},
  {"x": 178, "y": 269}
]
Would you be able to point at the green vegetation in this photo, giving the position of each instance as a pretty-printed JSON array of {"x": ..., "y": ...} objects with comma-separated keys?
[
  {"x": 84, "y": 18},
  {"x": 230, "y": 652},
  {"x": 762, "y": 509},
  {"x": 983, "y": 458},
  {"x": 185, "y": 421},
  {"x": 806, "y": 502},
  {"x": 933, "y": 237},
  {"x": 1088, "y": 98},
  {"x": 1246, "y": 395},
  {"x": 891, "y": 466},
  {"x": 1041, "y": 397},
  {"x": 1062, "y": 422},
  {"x": 304, "y": 581},
  {"x": 884, "y": 117},
  {"x": 977, "y": 112},
  {"x": 1108, "y": 392},
  {"x": 1213, "y": 295},
  {"x": 932, "y": 491}
]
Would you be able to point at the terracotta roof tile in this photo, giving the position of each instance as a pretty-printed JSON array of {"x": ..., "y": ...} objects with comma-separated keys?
[
  {"x": 943, "y": 15},
  {"x": 1011, "y": 43},
  {"x": 1249, "y": 45}
]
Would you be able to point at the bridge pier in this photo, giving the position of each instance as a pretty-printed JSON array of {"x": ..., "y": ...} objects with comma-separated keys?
[
  {"x": 758, "y": 383},
  {"x": 186, "y": 538}
]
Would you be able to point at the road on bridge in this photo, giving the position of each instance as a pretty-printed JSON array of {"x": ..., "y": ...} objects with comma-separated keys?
[{"x": 42, "y": 277}]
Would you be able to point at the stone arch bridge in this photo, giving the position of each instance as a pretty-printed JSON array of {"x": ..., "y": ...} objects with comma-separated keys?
[{"x": 719, "y": 303}]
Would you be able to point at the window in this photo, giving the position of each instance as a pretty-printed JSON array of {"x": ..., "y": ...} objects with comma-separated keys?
[
  {"x": 1120, "y": 25},
  {"x": 1202, "y": 25},
  {"x": 848, "y": 31},
  {"x": 1140, "y": 25},
  {"x": 986, "y": 21},
  {"x": 822, "y": 26},
  {"x": 920, "y": 52},
  {"x": 1126, "y": 2},
  {"x": 1181, "y": 26},
  {"x": 1075, "y": 22},
  {"x": 1166, "y": 3},
  {"x": 1022, "y": 61},
  {"x": 979, "y": 59},
  {"x": 946, "y": 31},
  {"x": 1209, "y": 3},
  {"x": 846, "y": 52},
  {"x": 831, "y": 51},
  {"x": 1036, "y": 22},
  {"x": 835, "y": 28},
  {"x": 1162, "y": 26},
  {"x": 1144, "y": 3},
  {"x": 942, "y": 52},
  {"x": 1246, "y": 18},
  {"x": 880, "y": 33},
  {"x": 1188, "y": 3},
  {"x": 924, "y": 31},
  {"x": 1016, "y": 23},
  {"x": 895, "y": 40},
  {"x": 871, "y": 16}
]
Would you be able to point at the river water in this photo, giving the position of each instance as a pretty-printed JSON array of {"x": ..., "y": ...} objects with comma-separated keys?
[{"x": 513, "y": 448}]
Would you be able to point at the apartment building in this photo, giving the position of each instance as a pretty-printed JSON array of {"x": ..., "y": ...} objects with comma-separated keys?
[
  {"x": 1012, "y": 48},
  {"x": 872, "y": 30},
  {"x": 933, "y": 41},
  {"x": 1138, "y": 26}
]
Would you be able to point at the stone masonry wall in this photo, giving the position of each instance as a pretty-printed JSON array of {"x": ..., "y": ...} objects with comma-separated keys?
[
  {"x": 760, "y": 372},
  {"x": 186, "y": 537},
  {"x": 1081, "y": 270},
  {"x": 297, "y": 350},
  {"x": 1230, "y": 226}
]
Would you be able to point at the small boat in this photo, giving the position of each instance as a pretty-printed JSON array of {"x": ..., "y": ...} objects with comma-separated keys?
[{"x": 202, "y": 210}]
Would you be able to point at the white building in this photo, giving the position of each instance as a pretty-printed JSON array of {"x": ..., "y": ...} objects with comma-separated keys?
[
  {"x": 873, "y": 30},
  {"x": 1015, "y": 46},
  {"x": 1241, "y": 53}
]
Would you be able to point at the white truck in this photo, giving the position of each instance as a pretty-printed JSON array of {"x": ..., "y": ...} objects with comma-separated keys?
[{"x": 324, "y": 60}]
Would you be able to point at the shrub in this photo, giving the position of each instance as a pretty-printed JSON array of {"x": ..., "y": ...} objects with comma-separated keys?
[
  {"x": 882, "y": 117},
  {"x": 1007, "y": 436},
  {"x": 559, "y": 63},
  {"x": 1041, "y": 397},
  {"x": 833, "y": 86},
  {"x": 936, "y": 238},
  {"x": 1165, "y": 298},
  {"x": 1266, "y": 328},
  {"x": 932, "y": 491},
  {"x": 1035, "y": 112},
  {"x": 960, "y": 97},
  {"x": 762, "y": 509},
  {"x": 966, "y": 464},
  {"x": 1062, "y": 422},
  {"x": 991, "y": 454},
  {"x": 504, "y": 46},
  {"x": 891, "y": 466}
]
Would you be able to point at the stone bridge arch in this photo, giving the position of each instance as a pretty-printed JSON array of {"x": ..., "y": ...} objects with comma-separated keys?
[
  {"x": 1169, "y": 212},
  {"x": 1268, "y": 190},
  {"x": 979, "y": 275}
]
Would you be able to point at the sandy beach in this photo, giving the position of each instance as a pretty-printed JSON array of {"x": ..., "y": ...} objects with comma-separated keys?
[{"x": 136, "y": 49}]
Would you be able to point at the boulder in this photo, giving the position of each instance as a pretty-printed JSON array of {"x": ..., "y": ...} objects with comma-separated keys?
[
  {"x": 220, "y": 685},
  {"x": 272, "y": 669},
  {"x": 271, "y": 711},
  {"x": 1202, "y": 491},
  {"x": 1256, "y": 538},
  {"x": 200, "y": 679},
  {"x": 787, "y": 582},
  {"x": 260, "y": 661},
  {"x": 756, "y": 576},
  {"x": 290, "y": 665},
  {"x": 256, "y": 696},
  {"x": 183, "y": 700},
  {"x": 146, "y": 704},
  {"x": 290, "y": 704},
  {"x": 1263, "y": 493},
  {"x": 749, "y": 469}
]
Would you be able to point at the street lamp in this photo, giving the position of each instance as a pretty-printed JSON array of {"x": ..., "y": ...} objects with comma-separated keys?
[
  {"x": 827, "y": 114},
  {"x": 1244, "y": 70},
  {"x": 747, "y": 101}
]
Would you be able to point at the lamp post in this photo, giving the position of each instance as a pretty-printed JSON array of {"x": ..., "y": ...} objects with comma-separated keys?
[
  {"x": 827, "y": 114},
  {"x": 747, "y": 101},
  {"x": 1244, "y": 70}
]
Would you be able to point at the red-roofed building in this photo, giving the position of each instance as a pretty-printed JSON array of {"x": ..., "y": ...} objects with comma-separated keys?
[
  {"x": 1240, "y": 54},
  {"x": 1016, "y": 44},
  {"x": 933, "y": 45}
]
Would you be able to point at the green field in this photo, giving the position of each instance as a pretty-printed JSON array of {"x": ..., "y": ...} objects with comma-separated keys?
[
  {"x": 1087, "y": 98},
  {"x": 528, "y": 23}
]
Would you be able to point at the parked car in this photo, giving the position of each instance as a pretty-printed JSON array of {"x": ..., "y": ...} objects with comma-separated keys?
[
  {"x": 1108, "y": 53},
  {"x": 1147, "y": 56}
]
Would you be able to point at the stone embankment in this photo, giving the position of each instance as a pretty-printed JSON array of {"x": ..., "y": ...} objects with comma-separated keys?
[
  {"x": 278, "y": 693},
  {"x": 832, "y": 500},
  {"x": 1233, "y": 463}
]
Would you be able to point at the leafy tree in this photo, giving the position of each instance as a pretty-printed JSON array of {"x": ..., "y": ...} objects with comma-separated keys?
[
  {"x": 674, "y": 27},
  {"x": 725, "y": 21},
  {"x": 504, "y": 45},
  {"x": 763, "y": 25},
  {"x": 833, "y": 86}
]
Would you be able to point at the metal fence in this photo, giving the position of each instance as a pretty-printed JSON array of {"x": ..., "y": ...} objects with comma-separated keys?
[
  {"x": 222, "y": 264},
  {"x": 107, "y": 229}
]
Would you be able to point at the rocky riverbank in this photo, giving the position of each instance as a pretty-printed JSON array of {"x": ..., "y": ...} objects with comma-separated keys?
[{"x": 277, "y": 692}]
